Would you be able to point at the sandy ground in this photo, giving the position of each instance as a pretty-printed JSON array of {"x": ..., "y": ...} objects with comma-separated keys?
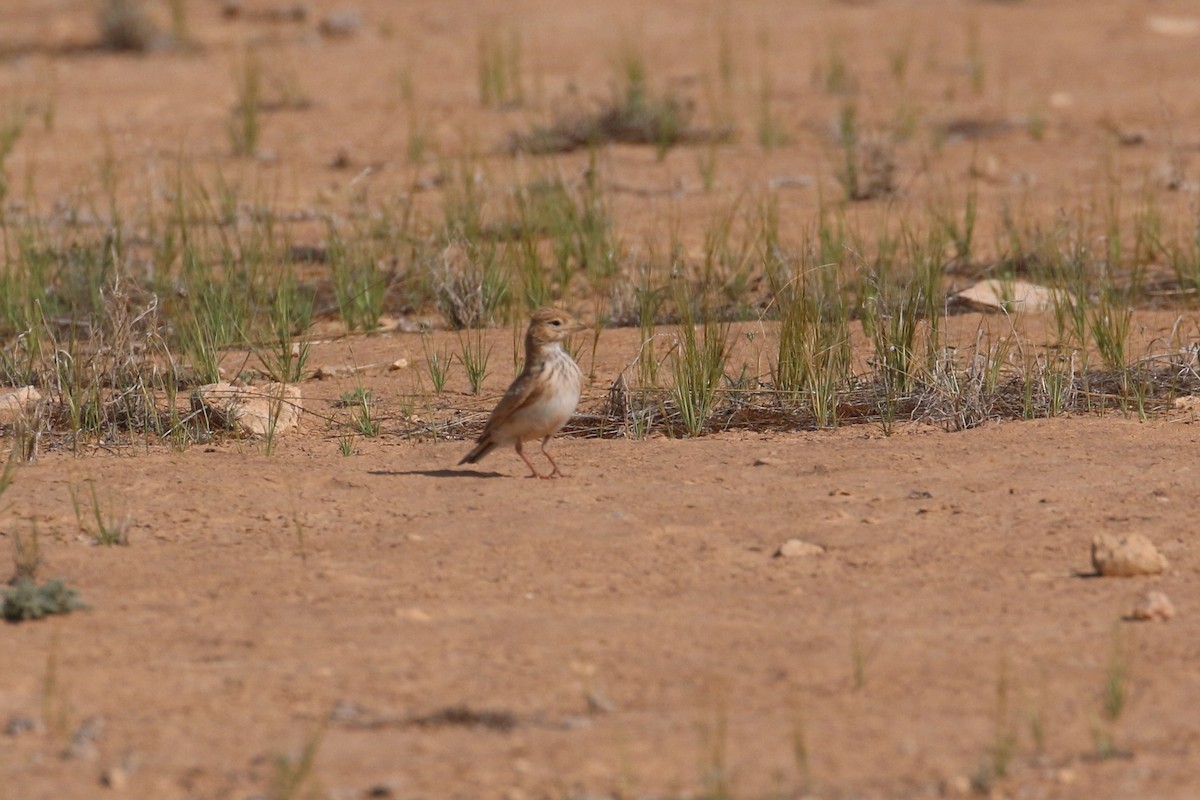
[
  {"x": 628, "y": 627},
  {"x": 439, "y": 632}
]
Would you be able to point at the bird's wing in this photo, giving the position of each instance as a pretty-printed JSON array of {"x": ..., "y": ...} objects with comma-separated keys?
[{"x": 525, "y": 391}]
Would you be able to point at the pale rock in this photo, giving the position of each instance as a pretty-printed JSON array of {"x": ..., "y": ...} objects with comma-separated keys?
[
  {"x": 1061, "y": 100},
  {"x": 1174, "y": 26},
  {"x": 1153, "y": 606},
  {"x": 253, "y": 410},
  {"x": 798, "y": 548},
  {"x": 327, "y": 371},
  {"x": 1189, "y": 402},
  {"x": 399, "y": 363},
  {"x": 1014, "y": 295},
  {"x": 341, "y": 23},
  {"x": 1125, "y": 556},
  {"x": 115, "y": 778},
  {"x": 956, "y": 786},
  {"x": 18, "y": 404}
]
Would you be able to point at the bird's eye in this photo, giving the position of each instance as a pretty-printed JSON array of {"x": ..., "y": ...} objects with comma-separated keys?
[{"x": 556, "y": 322}]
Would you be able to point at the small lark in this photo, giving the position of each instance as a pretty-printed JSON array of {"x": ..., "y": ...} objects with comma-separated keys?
[{"x": 544, "y": 395}]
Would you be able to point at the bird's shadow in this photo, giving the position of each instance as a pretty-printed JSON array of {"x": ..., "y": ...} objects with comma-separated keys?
[{"x": 439, "y": 473}]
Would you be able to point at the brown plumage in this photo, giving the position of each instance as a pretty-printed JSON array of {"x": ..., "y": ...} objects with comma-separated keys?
[{"x": 542, "y": 398}]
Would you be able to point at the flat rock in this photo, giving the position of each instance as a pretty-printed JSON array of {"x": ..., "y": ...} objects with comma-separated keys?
[
  {"x": 252, "y": 410},
  {"x": 17, "y": 404},
  {"x": 1153, "y": 606},
  {"x": 1125, "y": 556},
  {"x": 798, "y": 548},
  {"x": 1016, "y": 295}
]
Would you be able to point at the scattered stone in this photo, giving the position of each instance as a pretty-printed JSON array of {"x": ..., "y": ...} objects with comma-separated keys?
[
  {"x": 341, "y": 370},
  {"x": 1014, "y": 295},
  {"x": 341, "y": 23},
  {"x": 115, "y": 778},
  {"x": 957, "y": 786},
  {"x": 1153, "y": 606},
  {"x": 18, "y": 725},
  {"x": 599, "y": 703},
  {"x": 1125, "y": 556},
  {"x": 798, "y": 548},
  {"x": 252, "y": 410},
  {"x": 18, "y": 404},
  {"x": 1061, "y": 100},
  {"x": 83, "y": 741},
  {"x": 1189, "y": 402},
  {"x": 399, "y": 363},
  {"x": 414, "y": 614},
  {"x": 767, "y": 461}
]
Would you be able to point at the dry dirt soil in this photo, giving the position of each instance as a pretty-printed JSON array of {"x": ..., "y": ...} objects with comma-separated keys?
[{"x": 427, "y": 631}]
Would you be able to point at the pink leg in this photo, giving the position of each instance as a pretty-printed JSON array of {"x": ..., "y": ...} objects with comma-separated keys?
[
  {"x": 556, "y": 472},
  {"x": 529, "y": 464}
]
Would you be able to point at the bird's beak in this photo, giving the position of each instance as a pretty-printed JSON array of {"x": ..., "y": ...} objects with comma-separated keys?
[{"x": 580, "y": 326}]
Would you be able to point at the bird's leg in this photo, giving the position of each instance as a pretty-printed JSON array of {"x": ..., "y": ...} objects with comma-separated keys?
[
  {"x": 529, "y": 463},
  {"x": 556, "y": 472}
]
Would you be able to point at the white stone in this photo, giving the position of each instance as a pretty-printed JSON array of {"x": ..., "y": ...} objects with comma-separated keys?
[
  {"x": 253, "y": 410},
  {"x": 1125, "y": 556},
  {"x": 1014, "y": 295},
  {"x": 798, "y": 548},
  {"x": 1153, "y": 606},
  {"x": 18, "y": 404}
]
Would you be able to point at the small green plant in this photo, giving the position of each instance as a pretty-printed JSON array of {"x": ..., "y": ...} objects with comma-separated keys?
[
  {"x": 634, "y": 115},
  {"x": 362, "y": 414},
  {"x": 697, "y": 364},
  {"x": 293, "y": 777},
  {"x": 437, "y": 363},
  {"x": 500, "y": 70},
  {"x": 284, "y": 359},
  {"x": 976, "y": 66},
  {"x": 108, "y": 529},
  {"x": 961, "y": 234},
  {"x": 245, "y": 126},
  {"x": 714, "y": 773},
  {"x": 474, "y": 358},
  {"x": 418, "y": 134},
  {"x": 179, "y": 21},
  {"x": 27, "y": 555},
  {"x": 11, "y": 128},
  {"x": 814, "y": 357},
  {"x": 1109, "y": 321},
  {"x": 360, "y": 285},
  {"x": 9, "y": 472},
  {"x": 706, "y": 165},
  {"x": 767, "y": 125},
  {"x": 800, "y": 753},
  {"x": 26, "y": 600},
  {"x": 1004, "y": 738},
  {"x": 861, "y": 654},
  {"x": 346, "y": 444},
  {"x": 1114, "y": 695},
  {"x": 836, "y": 76}
]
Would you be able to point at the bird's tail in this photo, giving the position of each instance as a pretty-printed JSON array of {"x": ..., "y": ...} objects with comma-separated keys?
[{"x": 479, "y": 451}]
